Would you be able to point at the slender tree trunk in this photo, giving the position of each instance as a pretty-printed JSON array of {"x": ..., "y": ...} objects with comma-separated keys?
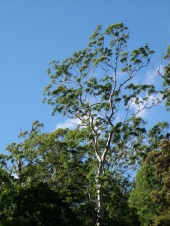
[{"x": 100, "y": 208}]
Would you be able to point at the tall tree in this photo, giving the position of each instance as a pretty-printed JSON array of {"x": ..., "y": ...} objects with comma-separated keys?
[{"x": 96, "y": 86}]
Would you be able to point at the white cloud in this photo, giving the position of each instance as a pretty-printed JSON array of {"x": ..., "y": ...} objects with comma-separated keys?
[
  {"x": 142, "y": 108},
  {"x": 69, "y": 123},
  {"x": 153, "y": 76},
  {"x": 137, "y": 108}
]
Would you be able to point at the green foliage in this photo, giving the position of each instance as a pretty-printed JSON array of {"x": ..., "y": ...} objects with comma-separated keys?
[
  {"x": 88, "y": 86},
  {"x": 116, "y": 196},
  {"x": 56, "y": 182},
  {"x": 159, "y": 160},
  {"x": 58, "y": 159},
  {"x": 140, "y": 196},
  {"x": 159, "y": 132},
  {"x": 41, "y": 205},
  {"x": 37, "y": 205},
  {"x": 166, "y": 80},
  {"x": 74, "y": 81},
  {"x": 151, "y": 194}
]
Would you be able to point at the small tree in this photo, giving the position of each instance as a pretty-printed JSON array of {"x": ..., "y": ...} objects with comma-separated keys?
[{"x": 96, "y": 86}]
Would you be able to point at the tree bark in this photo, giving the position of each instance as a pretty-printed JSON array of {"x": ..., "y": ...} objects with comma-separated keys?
[{"x": 100, "y": 208}]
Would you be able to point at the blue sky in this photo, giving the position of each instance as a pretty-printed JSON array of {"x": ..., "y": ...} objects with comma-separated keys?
[{"x": 35, "y": 32}]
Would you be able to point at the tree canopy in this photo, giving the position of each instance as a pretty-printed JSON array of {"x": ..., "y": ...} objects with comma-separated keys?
[{"x": 151, "y": 195}]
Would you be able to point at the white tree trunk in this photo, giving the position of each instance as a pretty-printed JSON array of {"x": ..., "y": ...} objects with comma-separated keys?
[{"x": 100, "y": 208}]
